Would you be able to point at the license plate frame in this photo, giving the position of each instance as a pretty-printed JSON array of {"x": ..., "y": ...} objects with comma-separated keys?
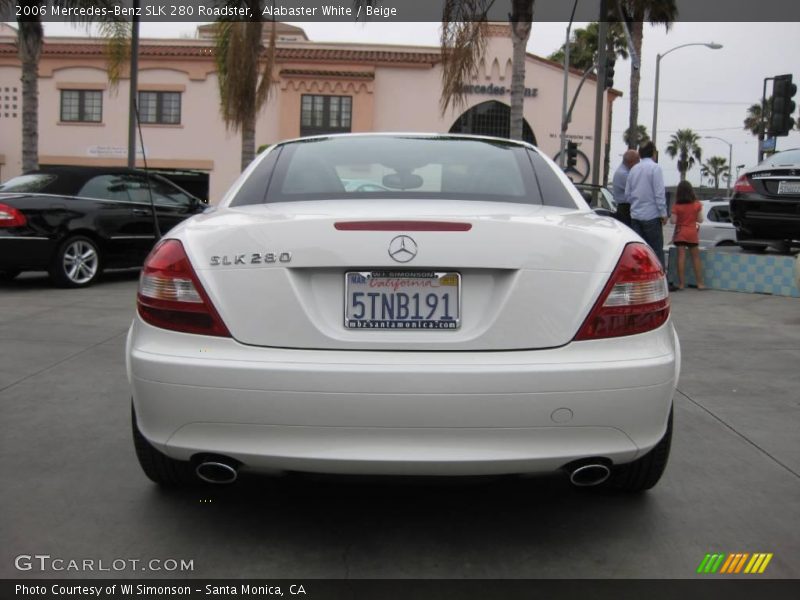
[
  {"x": 793, "y": 187},
  {"x": 392, "y": 284}
]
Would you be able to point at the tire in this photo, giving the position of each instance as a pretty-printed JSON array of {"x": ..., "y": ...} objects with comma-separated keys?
[
  {"x": 159, "y": 467},
  {"x": 784, "y": 247},
  {"x": 643, "y": 473},
  {"x": 756, "y": 248},
  {"x": 9, "y": 275},
  {"x": 83, "y": 254}
]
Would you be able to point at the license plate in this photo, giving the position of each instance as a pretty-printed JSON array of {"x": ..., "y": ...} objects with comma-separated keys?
[
  {"x": 789, "y": 187},
  {"x": 402, "y": 300}
]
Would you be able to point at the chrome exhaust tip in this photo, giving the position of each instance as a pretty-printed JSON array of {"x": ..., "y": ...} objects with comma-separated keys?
[
  {"x": 589, "y": 474},
  {"x": 214, "y": 471}
]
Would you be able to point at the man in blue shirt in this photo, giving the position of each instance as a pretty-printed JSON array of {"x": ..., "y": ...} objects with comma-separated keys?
[
  {"x": 647, "y": 196},
  {"x": 630, "y": 158}
]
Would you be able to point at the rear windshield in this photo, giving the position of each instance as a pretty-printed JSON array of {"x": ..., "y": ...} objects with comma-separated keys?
[
  {"x": 34, "y": 182},
  {"x": 785, "y": 158},
  {"x": 378, "y": 167}
]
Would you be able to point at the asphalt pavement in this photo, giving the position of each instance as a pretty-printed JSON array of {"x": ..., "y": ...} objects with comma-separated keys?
[{"x": 72, "y": 488}]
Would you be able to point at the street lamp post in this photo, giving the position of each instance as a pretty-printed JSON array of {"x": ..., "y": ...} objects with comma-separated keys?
[
  {"x": 730, "y": 157},
  {"x": 654, "y": 132}
]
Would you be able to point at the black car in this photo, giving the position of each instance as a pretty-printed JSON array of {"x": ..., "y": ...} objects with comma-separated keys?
[
  {"x": 765, "y": 206},
  {"x": 76, "y": 221}
]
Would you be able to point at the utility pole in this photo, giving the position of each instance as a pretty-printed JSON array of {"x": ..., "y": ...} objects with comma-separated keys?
[
  {"x": 602, "y": 34},
  {"x": 763, "y": 125},
  {"x": 134, "y": 80},
  {"x": 564, "y": 121}
]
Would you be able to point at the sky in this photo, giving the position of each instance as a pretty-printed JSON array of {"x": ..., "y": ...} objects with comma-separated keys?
[{"x": 705, "y": 90}]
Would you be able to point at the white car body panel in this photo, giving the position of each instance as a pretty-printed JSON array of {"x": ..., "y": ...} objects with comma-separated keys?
[
  {"x": 411, "y": 413},
  {"x": 511, "y": 260}
]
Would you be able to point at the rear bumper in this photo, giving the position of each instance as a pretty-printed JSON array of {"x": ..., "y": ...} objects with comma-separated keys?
[
  {"x": 415, "y": 413},
  {"x": 766, "y": 219}
]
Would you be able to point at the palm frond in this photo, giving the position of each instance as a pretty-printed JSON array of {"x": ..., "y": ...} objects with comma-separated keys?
[
  {"x": 463, "y": 43},
  {"x": 118, "y": 48},
  {"x": 265, "y": 85},
  {"x": 237, "y": 54}
]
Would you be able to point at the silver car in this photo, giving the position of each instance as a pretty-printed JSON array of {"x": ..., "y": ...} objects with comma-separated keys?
[{"x": 716, "y": 228}]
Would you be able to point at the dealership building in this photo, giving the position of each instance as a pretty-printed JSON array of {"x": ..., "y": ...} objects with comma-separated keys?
[{"x": 319, "y": 87}]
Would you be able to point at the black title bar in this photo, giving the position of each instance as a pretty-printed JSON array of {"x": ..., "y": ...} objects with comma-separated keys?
[
  {"x": 715, "y": 588},
  {"x": 384, "y": 11}
]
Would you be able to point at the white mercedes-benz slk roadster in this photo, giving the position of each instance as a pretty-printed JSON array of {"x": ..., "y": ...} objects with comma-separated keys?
[{"x": 403, "y": 304}]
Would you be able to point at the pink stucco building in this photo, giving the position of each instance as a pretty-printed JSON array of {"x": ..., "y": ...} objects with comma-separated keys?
[{"x": 320, "y": 87}]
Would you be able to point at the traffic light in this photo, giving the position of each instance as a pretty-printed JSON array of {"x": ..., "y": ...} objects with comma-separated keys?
[
  {"x": 572, "y": 154},
  {"x": 610, "y": 62},
  {"x": 782, "y": 107}
]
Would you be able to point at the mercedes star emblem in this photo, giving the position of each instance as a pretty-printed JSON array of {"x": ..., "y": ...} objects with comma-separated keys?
[{"x": 402, "y": 248}]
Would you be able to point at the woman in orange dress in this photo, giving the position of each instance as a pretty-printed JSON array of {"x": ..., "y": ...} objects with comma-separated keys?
[{"x": 687, "y": 214}]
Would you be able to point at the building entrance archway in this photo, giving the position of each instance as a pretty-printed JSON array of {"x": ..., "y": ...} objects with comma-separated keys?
[{"x": 490, "y": 118}]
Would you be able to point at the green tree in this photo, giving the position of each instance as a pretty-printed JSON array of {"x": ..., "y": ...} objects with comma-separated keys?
[
  {"x": 715, "y": 168},
  {"x": 636, "y": 12},
  {"x": 583, "y": 45},
  {"x": 463, "y": 43},
  {"x": 641, "y": 135},
  {"x": 684, "y": 144}
]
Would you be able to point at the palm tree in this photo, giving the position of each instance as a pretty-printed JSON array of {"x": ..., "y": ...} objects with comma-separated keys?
[
  {"x": 244, "y": 82},
  {"x": 636, "y": 12},
  {"x": 30, "y": 38},
  {"x": 583, "y": 46},
  {"x": 463, "y": 42},
  {"x": 641, "y": 135},
  {"x": 752, "y": 121},
  {"x": 684, "y": 145},
  {"x": 715, "y": 168}
]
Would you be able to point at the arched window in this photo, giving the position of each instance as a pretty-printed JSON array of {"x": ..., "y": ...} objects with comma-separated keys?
[{"x": 490, "y": 118}]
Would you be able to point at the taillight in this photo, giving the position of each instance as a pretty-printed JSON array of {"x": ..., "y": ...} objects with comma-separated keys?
[
  {"x": 171, "y": 297},
  {"x": 11, "y": 217},
  {"x": 635, "y": 299},
  {"x": 743, "y": 185}
]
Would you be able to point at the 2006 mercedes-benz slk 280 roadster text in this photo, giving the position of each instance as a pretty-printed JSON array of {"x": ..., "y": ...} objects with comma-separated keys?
[{"x": 465, "y": 313}]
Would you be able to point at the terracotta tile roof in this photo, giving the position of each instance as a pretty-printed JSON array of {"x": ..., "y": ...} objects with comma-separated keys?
[
  {"x": 347, "y": 54},
  {"x": 189, "y": 51},
  {"x": 326, "y": 73}
]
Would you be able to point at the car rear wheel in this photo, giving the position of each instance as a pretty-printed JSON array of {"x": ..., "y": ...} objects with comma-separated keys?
[
  {"x": 784, "y": 247},
  {"x": 758, "y": 248},
  {"x": 643, "y": 473},
  {"x": 8, "y": 275},
  {"x": 159, "y": 467},
  {"x": 77, "y": 262}
]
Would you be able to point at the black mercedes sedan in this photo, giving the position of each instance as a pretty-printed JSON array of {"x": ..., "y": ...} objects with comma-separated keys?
[
  {"x": 76, "y": 221},
  {"x": 765, "y": 206}
]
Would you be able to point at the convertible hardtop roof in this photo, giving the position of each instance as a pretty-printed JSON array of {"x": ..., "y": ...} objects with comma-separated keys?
[{"x": 70, "y": 179}]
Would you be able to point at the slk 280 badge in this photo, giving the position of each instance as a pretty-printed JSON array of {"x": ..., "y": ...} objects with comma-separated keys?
[{"x": 253, "y": 258}]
